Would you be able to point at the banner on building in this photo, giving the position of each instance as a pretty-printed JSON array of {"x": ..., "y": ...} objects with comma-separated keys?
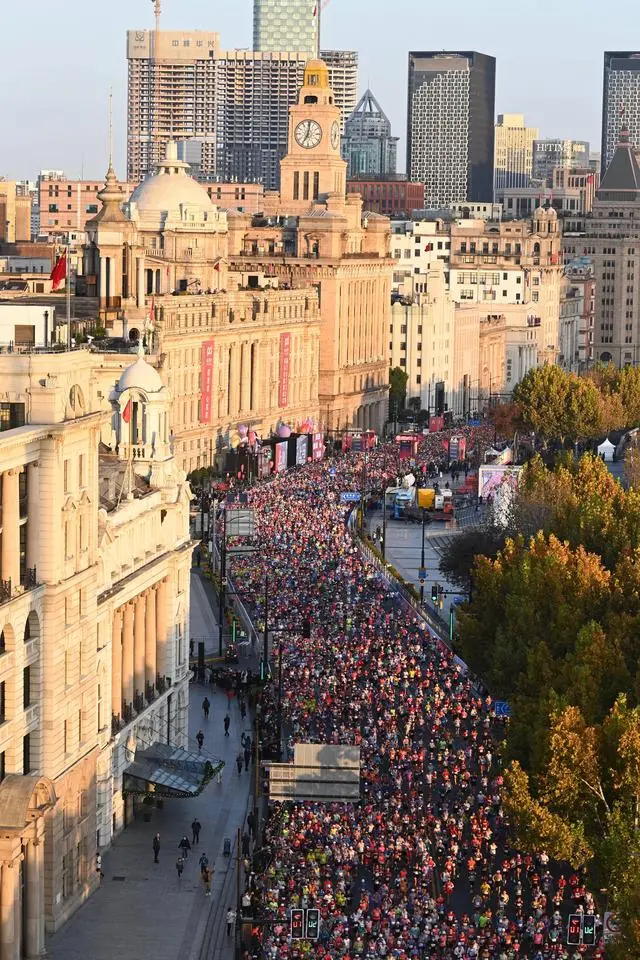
[
  {"x": 302, "y": 446},
  {"x": 318, "y": 446},
  {"x": 206, "y": 388},
  {"x": 436, "y": 424},
  {"x": 457, "y": 448},
  {"x": 285, "y": 363},
  {"x": 281, "y": 456}
]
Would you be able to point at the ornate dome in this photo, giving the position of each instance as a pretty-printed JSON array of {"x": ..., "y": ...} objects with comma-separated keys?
[
  {"x": 170, "y": 188},
  {"x": 140, "y": 376}
]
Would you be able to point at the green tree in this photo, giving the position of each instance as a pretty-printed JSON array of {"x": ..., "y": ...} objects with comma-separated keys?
[
  {"x": 397, "y": 389},
  {"x": 558, "y": 405}
]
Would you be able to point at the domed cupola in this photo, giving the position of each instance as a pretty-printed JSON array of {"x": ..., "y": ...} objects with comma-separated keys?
[{"x": 141, "y": 417}]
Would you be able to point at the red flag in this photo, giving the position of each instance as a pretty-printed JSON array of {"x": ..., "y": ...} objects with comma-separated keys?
[
  {"x": 315, "y": 10},
  {"x": 59, "y": 272},
  {"x": 126, "y": 413}
]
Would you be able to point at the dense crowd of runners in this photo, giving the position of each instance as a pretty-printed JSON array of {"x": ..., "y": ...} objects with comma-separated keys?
[{"x": 420, "y": 868}]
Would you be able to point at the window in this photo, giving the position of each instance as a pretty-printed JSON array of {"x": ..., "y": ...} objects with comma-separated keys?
[
  {"x": 3, "y": 702},
  {"x": 3, "y": 771},
  {"x": 80, "y": 731},
  {"x": 26, "y": 687},
  {"x": 66, "y": 476},
  {"x": 65, "y": 737},
  {"x": 296, "y": 185},
  {"x": 26, "y": 753},
  {"x": 305, "y": 185},
  {"x": 66, "y": 876},
  {"x": 81, "y": 478},
  {"x": 316, "y": 185}
]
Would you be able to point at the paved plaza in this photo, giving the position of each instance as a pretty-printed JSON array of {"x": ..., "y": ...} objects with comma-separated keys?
[{"x": 142, "y": 910}]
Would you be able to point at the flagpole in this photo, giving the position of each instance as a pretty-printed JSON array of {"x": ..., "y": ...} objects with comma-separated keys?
[
  {"x": 318, "y": 13},
  {"x": 68, "y": 291}
]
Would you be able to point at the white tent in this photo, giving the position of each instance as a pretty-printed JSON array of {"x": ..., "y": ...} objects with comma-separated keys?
[{"x": 606, "y": 450}]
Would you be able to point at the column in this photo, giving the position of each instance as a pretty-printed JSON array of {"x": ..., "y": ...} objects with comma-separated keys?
[
  {"x": 103, "y": 279},
  {"x": 245, "y": 385},
  {"x": 140, "y": 282},
  {"x": 34, "y": 889},
  {"x": 116, "y": 664},
  {"x": 10, "y": 556},
  {"x": 10, "y": 907},
  {"x": 33, "y": 513},
  {"x": 138, "y": 642},
  {"x": 127, "y": 654},
  {"x": 162, "y": 646},
  {"x": 150, "y": 638},
  {"x": 234, "y": 386},
  {"x": 112, "y": 278}
]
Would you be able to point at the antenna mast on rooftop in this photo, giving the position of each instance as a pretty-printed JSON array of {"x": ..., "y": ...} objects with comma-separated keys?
[{"x": 155, "y": 157}]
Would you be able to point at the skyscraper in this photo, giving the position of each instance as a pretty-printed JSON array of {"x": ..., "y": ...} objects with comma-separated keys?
[
  {"x": 450, "y": 125},
  {"x": 620, "y": 101},
  {"x": 367, "y": 145},
  {"x": 285, "y": 25},
  {"x": 234, "y": 102},
  {"x": 552, "y": 153},
  {"x": 514, "y": 151}
]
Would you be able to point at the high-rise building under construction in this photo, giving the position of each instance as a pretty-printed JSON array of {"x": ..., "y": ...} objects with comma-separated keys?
[{"x": 233, "y": 103}]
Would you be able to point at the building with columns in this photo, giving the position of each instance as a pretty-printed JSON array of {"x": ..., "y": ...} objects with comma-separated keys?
[
  {"x": 94, "y": 606},
  {"x": 252, "y": 319},
  {"x": 314, "y": 234}
]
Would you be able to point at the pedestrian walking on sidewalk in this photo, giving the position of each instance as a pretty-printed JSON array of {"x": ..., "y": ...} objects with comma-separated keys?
[
  {"x": 203, "y": 863},
  {"x": 206, "y": 707},
  {"x": 207, "y": 878},
  {"x": 227, "y": 721},
  {"x": 196, "y": 827},
  {"x": 185, "y": 846},
  {"x": 231, "y": 920},
  {"x": 239, "y": 764},
  {"x": 247, "y": 757},
  {"x": 156, "y": 847},
  {"x": 200, "y": 739},
  {"x": 243, "y": 709},
  {"x": 179, "y": 866},
  {"x": 251, "y": 822},
  {"x": 246, "y": 845}
]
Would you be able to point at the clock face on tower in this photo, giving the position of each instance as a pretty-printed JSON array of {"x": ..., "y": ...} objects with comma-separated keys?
[
  {"x": 335, "y": 135},
  {"x": 308, "y": 134}
]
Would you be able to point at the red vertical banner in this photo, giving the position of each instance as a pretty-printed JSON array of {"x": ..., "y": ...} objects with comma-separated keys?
[
  {"x": 206, "y": 389},
  {"x": 285, "y": 363}
]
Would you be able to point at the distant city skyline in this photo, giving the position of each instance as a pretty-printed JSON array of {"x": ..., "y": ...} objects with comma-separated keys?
[{"x": 62, "y": 68}]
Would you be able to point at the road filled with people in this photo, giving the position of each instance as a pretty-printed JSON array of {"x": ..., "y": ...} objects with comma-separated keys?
[{"x": 422, "y": 866}]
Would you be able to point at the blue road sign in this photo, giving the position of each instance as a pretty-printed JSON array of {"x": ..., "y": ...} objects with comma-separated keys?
[
  {"x": 502, "y": 708},
  {"x": 350, "y": 497},
  {"x": 422, "y": 575}
]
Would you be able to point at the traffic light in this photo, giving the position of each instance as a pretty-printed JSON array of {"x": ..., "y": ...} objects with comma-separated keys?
[
  {"x": 265, "y": 672},
  {"x": 313, "y": 924},
  {"x": 297, "y": 924},
  {"x": 435, "y": 593},
  {"x": 574, "y": 928},
  {"x": 589, "y": 929}
]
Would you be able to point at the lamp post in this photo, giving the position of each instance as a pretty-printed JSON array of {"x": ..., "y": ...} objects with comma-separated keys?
[
  {"x": 223, "y": 577},
  {"x": 424, "y": 515}
]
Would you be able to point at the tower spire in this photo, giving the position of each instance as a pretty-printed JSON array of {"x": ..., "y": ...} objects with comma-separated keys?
[{"x": 110, "y": 128}]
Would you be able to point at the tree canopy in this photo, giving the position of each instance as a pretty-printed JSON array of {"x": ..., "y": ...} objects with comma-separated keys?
[{"x": 554, "y": 628}]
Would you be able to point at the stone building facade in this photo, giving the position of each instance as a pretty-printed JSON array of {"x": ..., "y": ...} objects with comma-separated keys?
[
  {"x": 314, "y": 234},
  {"x": 253, "y": 319},
  {"x": 92, "y": 539}
]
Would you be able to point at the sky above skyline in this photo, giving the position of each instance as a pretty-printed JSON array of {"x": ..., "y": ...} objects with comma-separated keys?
[{"x": 60, "y": 64}]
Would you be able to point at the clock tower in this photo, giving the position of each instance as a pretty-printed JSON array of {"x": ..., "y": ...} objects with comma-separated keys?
[{"x": 313, "y": 167}]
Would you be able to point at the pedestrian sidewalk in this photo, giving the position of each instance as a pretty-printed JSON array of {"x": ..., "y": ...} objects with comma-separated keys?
[{"x": 142, "y": 910}]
